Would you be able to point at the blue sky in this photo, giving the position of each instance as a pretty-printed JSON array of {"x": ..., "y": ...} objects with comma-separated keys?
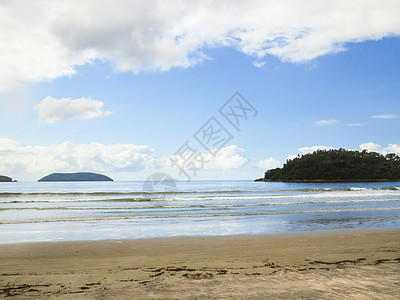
[{"x": 124, "y": 115}]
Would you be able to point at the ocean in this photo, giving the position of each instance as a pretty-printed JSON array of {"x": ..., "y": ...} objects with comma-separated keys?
[{"x": 70, "y": 211}]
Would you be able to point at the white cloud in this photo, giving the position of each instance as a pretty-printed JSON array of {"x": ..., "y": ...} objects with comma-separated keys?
[
  {"x": 7, "y": 144},
  {"x": 370, "y": 146},
  {"x": 258, "y": 64},
  {"x": 305, "y": 150},
  {"x": 230, "y": 157},
  {"x": 326, "y": 122},
  {"x": 386, "y": 116},
  {"x": 29, "y": 51},
  {"x": 355, "y": 125},
  {"x": 269, "y": 163},
  {"x": 290, "y": 157},
  {"x": 392, "y": 148},
  {"x": 52, "y": 110},
  {"x": 70, "y": 157},
  {"x": 41, "y": 40},
  {"x": 120, "y": 161}
]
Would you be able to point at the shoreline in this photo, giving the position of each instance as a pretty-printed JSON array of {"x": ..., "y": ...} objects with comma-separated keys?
[
  {"x": 58, "y": 243},
  {"x": 328, "y": 181},
  {"x": 362, "y": 263},
  {"x": 205, "y": 237}
]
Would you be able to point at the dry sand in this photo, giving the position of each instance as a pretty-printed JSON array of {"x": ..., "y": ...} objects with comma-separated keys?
[{"x": 329, "y": 265}]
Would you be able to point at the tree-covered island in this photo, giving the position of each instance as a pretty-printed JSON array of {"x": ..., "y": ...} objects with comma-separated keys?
[
  {"x": 80, "y": 176},
  {"x": 338, "y": 165}
]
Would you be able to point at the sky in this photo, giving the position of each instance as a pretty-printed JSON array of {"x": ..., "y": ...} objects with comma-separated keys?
[{"x": 196, "y": 89}]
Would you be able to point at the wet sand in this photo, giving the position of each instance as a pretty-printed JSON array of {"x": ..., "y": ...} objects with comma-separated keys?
[{"x": 355, "y": 264}]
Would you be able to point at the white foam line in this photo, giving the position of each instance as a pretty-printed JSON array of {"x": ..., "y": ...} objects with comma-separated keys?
[
  {"x": 214, "y": 198},
  {"x": 196, "y": 206},
  {"x": 194, "y": 216}
]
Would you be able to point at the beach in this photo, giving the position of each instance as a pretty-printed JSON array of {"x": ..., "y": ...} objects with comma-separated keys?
[{"x": 356, "y": 264}]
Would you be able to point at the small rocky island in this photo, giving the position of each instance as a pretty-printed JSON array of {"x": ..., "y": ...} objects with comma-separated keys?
[
  {"x": 5, "y": 179},
  {"x": 81, "y": 176},
  {"x": 337, "y": 165}
]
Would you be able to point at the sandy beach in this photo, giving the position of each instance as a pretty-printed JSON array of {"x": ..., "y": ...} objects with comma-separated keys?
[{"x": 354, "y": 264}]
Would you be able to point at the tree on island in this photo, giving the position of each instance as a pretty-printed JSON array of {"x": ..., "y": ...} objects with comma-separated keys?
[{"x": 338, "y": 165}]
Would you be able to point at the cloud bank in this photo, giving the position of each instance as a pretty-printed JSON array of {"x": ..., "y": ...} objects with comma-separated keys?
[
  {"x": 52, "y": 110},
  {"x": 373, "y": 147},
  {"x": 97, "y": 157},
  {"x": 70, "y": 157},
  {"x": 42, "y": 40},
  {"x": 230, "y": 157}
]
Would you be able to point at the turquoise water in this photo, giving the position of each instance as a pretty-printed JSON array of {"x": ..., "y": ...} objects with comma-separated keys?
[{"x": 59, "y": 211}]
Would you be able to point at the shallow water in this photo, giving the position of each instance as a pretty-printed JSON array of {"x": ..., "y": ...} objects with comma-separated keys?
[{"x": 53, "y": 211}]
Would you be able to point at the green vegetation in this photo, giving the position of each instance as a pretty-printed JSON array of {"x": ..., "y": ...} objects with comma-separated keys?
[
  {"x": 338, "y": 165},
  {"x": 82, "y": 176}
]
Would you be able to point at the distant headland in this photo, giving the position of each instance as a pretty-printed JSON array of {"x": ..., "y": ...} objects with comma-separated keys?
[
  {"x": 337, "y": 165},
  {"x": 81, "y": 176},
  {"x": 5, "y": 179}
]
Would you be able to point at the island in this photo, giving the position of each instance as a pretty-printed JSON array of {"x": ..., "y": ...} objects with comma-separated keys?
[
  {"x": 5, "y": 179},
  {"x": 80, "y": 176},
  {"x": 337, "y": 165}
]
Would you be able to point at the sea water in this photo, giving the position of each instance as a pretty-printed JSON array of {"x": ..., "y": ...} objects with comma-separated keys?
[{"x": 65, "y": 211}]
